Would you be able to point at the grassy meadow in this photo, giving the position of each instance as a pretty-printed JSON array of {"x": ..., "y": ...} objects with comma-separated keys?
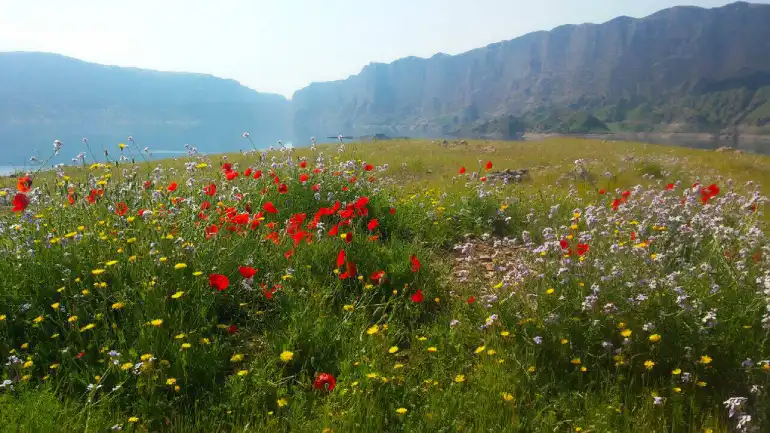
[{"x": 396, "y": 286}]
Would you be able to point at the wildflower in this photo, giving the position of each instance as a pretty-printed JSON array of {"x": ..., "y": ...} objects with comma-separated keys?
[
  {"x": 88, "y": 327},
  {"x": 179, "y": 266},
  {"x": 38, "y": 319},
  {"x": 218, "y": 281},
  {"x": 649, "y": 364},
  {"x": 186, "y": 346},
  {"x": 171, "y": 381},
  {"x": 507, "y": 396},
  {"x": 480, "y": 349},
  {"x": 156, "y": 322},
  {"x": 398, "y": 365},
  {"x": 247, "y": 271},
  {"x": 324, "y": 381},
  {"x": 28, "y": 364},
  {"x": 374, "y": 329},
  {"x": 654, "y": 338},
  {"x": 550, "y": 291},
  {"x": 118, "y": 306},
  {"x": 460, "y": 378},
  {"x": 563, "y": 341},
  {"x": 402, "y": 410},
  {"x": 576, "y": 361},
  {"x": 97, "y": 271},
  {"x": 504, "y": 333},
  {"x": 282, "y": 402},
  {"x": 242, "y": 373},
  {"x": 20, "y": 202},
  {"x": 705, "y": 359},
  {"x": 531, "y": 369},
  {"x": 347, "y": 307},
  {"x": 415, "y": 263},
  {"x": 417, "y": 297},
  {"x": 177, "y": 295},
  {"x": 133, "y": 419},
  {"x": 432, "y": 349},
  {"x": 626, "y": 333},
  {"x": 287, "y": 356},
  {"x": 393, "y": 349},
  {"x": 2, "y": 317}
]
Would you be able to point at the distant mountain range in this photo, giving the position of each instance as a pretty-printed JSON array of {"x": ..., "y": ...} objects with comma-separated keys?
[{"x": 683, "y": 69}]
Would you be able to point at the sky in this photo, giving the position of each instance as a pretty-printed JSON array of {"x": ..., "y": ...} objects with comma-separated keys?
[{"x": 280, "y": 46}]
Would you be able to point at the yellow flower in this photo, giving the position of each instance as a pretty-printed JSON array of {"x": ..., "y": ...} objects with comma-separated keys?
[
  {"x": 576, "y": 361},
  {"x": 649, "y": 364},
  {"x": 197, "y": 273},
  {"x": 480, "y": 349},
  {"x": 505, "y": 333},
  {"x": 422, "y": 339},
  {"x": 97, "y": 271},
  {"x": 237, "y": 357},
  {"x": 87, "y": 327},
  {"x": 432, "y": 349},
  {"x": 118, "y": 305},
  {"x": 177, "y": 295},
  {"x": 401, "y": 410},
  {"x": 38, "y": 319},
  {"x": 26, "y": 377},
  {"x": 156, "y": 322},
  {"x": 583, "y": 369},
  {"x": 25, "y": 346},
  {"x": 111, "y": 263},
  {"x": 372, "y": 376},
  {"x": 564, "y": 341},
  {"x": 180, "y": 336},
  {"x": 677, "y": 389},
  {"x": 626, "y": 333},
  {"x": 205, "y": 341},
  {"x": 146, "y": 357},
  {"x": 122, "y": 146},
  {"x": 287, "y": 356},
  {"x": 2, "y": 317},
  {"x": 398, "y": 365},
  {"x": 348, "y": 307},
  {"x": 491, "y": 352},
  {"x": 766, "y": 366},
  {"x": 531, "y": 369},
  {"x": 373, "y": 330},
  {"x": 701, "y": 384},
  {"x": 550, "y": 291},
  {"x": 654, "y": 338},
  {"x": 126, "y": 366},
  {"x": 180, "y": 266},
  {"x": 55, "y": 305},
  {"x": 72, "y": 319},
  {"x": 243, "y": 373},
  {"x": 186, "y": 346},
  {"x": 54, "y": 366},
  {"x": 676, "y": 371},
  {"x": 282, "y": 402},
  {"x": 171, "y": 381},
  {"x": 28, "y": 364},
  {"x": 393, "y": 349},
  {"x": 133, "y": 419},
  {"x": 460, "y": 378},
  {"x": 705, "y": 359},
  {"x": 507, "y": 396}
]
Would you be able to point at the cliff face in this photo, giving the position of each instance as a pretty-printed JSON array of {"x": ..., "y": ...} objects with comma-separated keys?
[
  {"x": 47, "y": 96},
  {"x": 627, "y": 70}
]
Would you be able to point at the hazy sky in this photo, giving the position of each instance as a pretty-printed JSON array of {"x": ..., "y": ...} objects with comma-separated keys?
[{"x": 282, "y": 45}]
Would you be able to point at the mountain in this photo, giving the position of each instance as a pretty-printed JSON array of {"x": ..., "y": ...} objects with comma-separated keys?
[
  {"x": 44, "y": 97},
  {"x": 680, "y": 69}
]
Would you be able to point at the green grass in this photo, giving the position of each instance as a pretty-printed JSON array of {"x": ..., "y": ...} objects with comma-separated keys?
[{"x": 108, "y": 316}]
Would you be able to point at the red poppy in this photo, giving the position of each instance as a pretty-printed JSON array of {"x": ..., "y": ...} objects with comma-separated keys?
[
  {"x": 20, "y": 202},
  {"x": 247, "y": 271},
  {"x": 121, "y": 208},
  {"x": 273, "y": 237},
  {"x": 232, "y": 329},
  {"x": 227, "y": 167},
  {"x": 417, "y": 297},
  {"x": 633, "y": 236},
  {"x": 582, "y": 249},
  {"x": 462, "y": 170},
  {"x": 247, "y": 173},
  {"x": 348, "y": 237},
  {"x": 564, "y": 244},
  {"x": 218, "y": 281},
  {"x": 269, "y": 208},
  {"x": 283, "y": 188},
  {"x": 303, "y": 164},
  {"x": 289, "y": 253},
  {"x": 483, "y": 179},
  {"x": 372, "y": 224},
  {"x": 71, "y": 197},
  {"x": 368, "y": 167},
  {"x": 615, "y": 204},
  {"x": 602, "y": 191},
  {"x": 709, "y": 192},
  {"x": 24, "y": 184},
  {"x": 489, "y": 165},
  {"x": 377, "y": 276},
  {"x": 625, "y": 195},
  {"x": 80, "y": 355},
  {"x": 205, "y": 205},
  {"x": 471, "y": 300},
  {"x": 303, "y": 177},
  {"x": 334, "y": 231},
  {"x": 316, "y": 187},
  {"x": 147, "y": 184},
  {"x": 230, "y": 175},
  {"x": 210, "y": 190},
  {"x": 670, "y": 186},
  {"x": 325, "y": 382},
  {"x": 341, "y": 257},
  {"x": 257, "y": 174},
  {"x": 415, "y": 263},
  {"x": 361, "y": 203},
  {"x": 392, "y": 211},
  {"x": 172, "y": 187}
]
